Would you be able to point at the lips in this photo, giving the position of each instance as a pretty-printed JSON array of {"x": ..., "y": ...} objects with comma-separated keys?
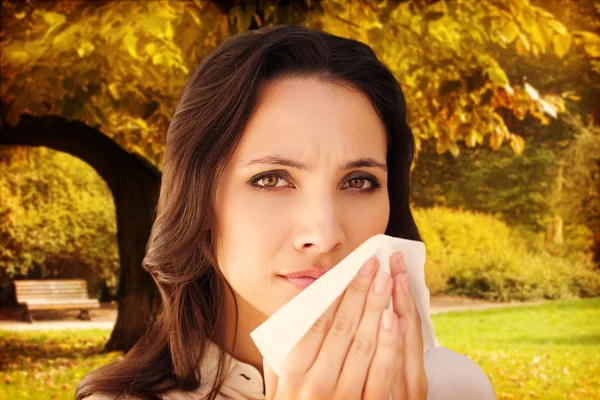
[
  {"x": 307, "y": 273},
  {"x": 301, "y": 282},
  {"x": 304, "y": 278}
]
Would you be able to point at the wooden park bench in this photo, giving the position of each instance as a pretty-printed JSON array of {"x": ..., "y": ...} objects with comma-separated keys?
[{"x": 53, "y": 295}]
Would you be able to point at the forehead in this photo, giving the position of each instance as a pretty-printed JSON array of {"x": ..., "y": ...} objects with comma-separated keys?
[{"x": 296, "y": 116}]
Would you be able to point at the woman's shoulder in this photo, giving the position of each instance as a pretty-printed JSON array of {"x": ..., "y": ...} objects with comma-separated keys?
[{"x": 453, "y": 376}]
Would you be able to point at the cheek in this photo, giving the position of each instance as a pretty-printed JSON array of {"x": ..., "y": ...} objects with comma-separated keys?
[
  {"x": 241, "y": 213},
  {"x": 248, "y": 225},
  {"x": 368, "y": 217},
  {"x": 251, "y": 216}
]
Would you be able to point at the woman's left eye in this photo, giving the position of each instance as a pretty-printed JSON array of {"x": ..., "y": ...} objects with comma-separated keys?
[
  {"x": 359, "y": 183},
  {"x": 270, "y": 181}
]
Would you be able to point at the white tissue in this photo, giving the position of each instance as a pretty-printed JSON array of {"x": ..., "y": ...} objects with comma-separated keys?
[{"x": 278, "y": 335}]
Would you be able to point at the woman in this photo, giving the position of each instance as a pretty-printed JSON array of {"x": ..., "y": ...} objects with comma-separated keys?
[{"x": 289, "y": 148}]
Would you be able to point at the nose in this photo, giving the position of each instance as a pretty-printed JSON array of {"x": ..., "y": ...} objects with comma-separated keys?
[{"x": 320, "y": 226}]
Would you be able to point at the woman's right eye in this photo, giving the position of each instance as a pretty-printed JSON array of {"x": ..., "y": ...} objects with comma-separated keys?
[{"x": 267, "y": 181}]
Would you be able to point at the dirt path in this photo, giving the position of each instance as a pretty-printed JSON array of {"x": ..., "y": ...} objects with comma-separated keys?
[
  {"x": 106, "y": 315},
  {"x": 102, "y": 318}
]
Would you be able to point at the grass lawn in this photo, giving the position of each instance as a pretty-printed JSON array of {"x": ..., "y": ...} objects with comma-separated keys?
[
  {"x": 549, "y": 351},
  {"x": 49, "y": 364}
]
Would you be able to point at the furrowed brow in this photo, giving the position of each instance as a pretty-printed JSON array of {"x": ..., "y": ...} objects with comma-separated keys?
[{"x": 365, "y": 162}]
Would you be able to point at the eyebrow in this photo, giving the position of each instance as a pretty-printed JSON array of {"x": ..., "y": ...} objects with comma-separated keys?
[{"x": 286, "y": 162}]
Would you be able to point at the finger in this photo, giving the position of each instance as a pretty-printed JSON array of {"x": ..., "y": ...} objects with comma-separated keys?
[
  {"x": 401, "y": 298},
  {"x": 399, "y": 385},
  {"x": 396, "y": 267},
  {"x": 304, "y": 354},
  {"x": 405, "y": 306},
  {"x": 271, "y": 381},
  {"x": 347, "y": 318},
  {"x": 381, "y": 373},
  {"x": 413, "y": 357},
  {"x": 356, "y": 365}
]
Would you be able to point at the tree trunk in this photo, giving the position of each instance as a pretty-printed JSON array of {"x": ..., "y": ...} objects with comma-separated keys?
[
  {"x": 554, "y": 231},
  {"x": 596, "y": 258},
  {"x": 134, "y": 183},
  {"x": 554, "y": 235}
]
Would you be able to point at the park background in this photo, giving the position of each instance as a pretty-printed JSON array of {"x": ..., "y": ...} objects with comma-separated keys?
[{"x": 504, "y": 101}]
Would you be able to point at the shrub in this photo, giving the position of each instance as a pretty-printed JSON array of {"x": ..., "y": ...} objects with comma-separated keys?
[
  {"x": 477, "y": 255},
  {"x": 57, "y": 221}
]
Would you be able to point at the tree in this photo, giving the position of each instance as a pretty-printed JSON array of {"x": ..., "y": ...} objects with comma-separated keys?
[
  {"x": 582, "y": 182},
  {"x": 136, "y": 115},
  {"x": 515, "y": 188},
  {"x": 134, "y": 184},
  {"x": 88, "y": 61},
  {"x": 93, "y": 63}
]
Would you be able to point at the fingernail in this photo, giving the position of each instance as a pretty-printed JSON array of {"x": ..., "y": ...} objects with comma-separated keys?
[
  {"x": 400, "y": 262},
  {"x": 368, "y": 267},
  {"x": 380, "y": 282},
  {"x": 388, "y": 320}
]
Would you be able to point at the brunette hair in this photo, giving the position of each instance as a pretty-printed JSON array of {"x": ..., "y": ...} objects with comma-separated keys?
[{"x": 207, "y": 125}]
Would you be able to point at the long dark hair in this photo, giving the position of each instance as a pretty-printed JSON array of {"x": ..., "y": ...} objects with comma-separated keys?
[{"x": 206, "y": 128}]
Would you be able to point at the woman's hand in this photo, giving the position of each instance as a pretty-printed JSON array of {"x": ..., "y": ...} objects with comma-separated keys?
[
  {"x": 347, "y": 354},
  {"x": 411, "y": 380}
]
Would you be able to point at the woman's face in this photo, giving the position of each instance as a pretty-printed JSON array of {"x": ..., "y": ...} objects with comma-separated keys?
[{"x": 306, "y": 186}]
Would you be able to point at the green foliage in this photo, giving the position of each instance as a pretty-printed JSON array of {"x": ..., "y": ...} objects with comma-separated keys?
[
  {"x": 58, "y": 220},
  {"x": 556, "y": 175},
  {"x": 547, "y": 351},
  {"x": 483, "y": 257},
  {"x": 515, "y": 188},
  {"x": 579, "y": 239},
  {"x": 581, "y": 199}
]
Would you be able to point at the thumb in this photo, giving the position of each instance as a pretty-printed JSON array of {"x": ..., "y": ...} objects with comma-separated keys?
[{"x": 271, "y": 381}]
